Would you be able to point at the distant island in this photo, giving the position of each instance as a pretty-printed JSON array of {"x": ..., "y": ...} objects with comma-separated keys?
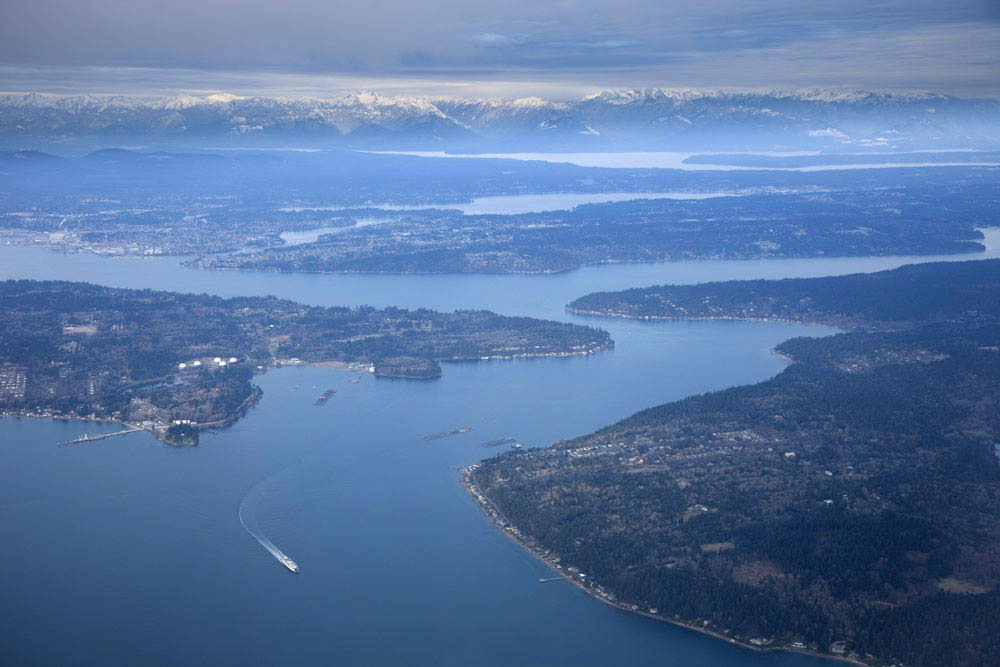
[
  {"x": 827, "y": 223},
  {"x": 175, "y": 364},
  {"x": 351, "y": 212},
  {"x": 848, "y": 507}
]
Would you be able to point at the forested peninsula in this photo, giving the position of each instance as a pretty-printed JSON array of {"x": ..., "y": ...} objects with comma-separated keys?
[
  {"x": 920, "y": 220},
  {"x": 847, "y": 507},
  {"x": 887, "y": 299},
  {"x": 177, "y": 363}
]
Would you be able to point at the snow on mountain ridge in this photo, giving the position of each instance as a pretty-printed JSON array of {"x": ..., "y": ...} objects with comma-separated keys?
[
  {"x": 634, "y": 95},
  {"x": 612, "y": 119},
  {"x": 372, "y": 98}
]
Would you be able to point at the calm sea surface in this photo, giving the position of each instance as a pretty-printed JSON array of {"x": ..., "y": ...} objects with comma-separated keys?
[{"x": 130, "y": 552}]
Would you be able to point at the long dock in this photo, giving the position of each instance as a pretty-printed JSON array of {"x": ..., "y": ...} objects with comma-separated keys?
[{"x": 92, "y": 438}]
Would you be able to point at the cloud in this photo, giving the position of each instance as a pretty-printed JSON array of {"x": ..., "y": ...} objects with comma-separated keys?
[
  {"x": 828, "y": 132},
  {"x": 612, "y": 44},
  {"x": 953, "y": 46},
  {"x": 492, "y": 39}
]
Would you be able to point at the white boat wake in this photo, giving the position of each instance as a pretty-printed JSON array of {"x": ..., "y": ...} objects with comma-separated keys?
[
  {"x": 250, "y": 525},
  {"x": 246, "y": 515}
]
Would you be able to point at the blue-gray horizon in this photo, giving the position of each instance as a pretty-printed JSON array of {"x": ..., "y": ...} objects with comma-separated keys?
[{"x": 448, "y": 48}]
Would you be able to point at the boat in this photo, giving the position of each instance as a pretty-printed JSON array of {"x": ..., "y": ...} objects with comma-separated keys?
[{"x": 289, "y": 563}]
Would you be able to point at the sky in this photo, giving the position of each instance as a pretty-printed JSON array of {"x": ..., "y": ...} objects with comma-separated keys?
[{"x": 556, "y": 49}]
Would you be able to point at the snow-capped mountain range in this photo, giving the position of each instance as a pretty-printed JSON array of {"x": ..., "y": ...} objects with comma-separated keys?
[{"x": 634, "y": 119}]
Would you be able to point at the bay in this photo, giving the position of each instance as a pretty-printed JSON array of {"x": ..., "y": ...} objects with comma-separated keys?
[{"x": 126, "y": 551}]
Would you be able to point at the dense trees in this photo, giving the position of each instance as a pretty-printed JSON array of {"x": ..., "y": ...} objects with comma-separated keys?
[
  {"x": 904, "y": 295},
  {"x": 853, "y": 498}
]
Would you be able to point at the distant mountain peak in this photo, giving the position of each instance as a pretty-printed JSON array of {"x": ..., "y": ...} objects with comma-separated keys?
[
  {"x": 684, "y": 119},
  {"x": 222, "y": 98}
]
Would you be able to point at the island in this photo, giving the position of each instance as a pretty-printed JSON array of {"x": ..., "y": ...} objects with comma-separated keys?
[
  {"x": 352, "y": 212},
  {"x": 828, "y": 222},
  {"x": 847, "y": 507},
  {"x": 175, "y": 364}
]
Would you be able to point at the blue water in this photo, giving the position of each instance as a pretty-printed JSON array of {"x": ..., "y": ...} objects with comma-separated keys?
[
  {"x": 129, "y": 552},
  {"x": 535, "y": 295}
]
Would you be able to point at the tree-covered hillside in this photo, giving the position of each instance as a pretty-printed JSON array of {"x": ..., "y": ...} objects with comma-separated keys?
[
  {"x": 849, "y": 505},
  {"x": 943, "y": 291}
]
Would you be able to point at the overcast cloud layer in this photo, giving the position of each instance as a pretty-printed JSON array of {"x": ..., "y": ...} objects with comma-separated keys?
[{"x": 558, "y": 49}]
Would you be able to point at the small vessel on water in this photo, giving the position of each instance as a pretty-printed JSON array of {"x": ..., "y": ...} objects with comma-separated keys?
[{"x": 289, "y": 563}]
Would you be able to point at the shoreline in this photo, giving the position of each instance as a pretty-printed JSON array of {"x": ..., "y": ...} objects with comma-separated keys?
[
  {"x": 582, "y": 352},
  {"x": 348, "y": 366},
  {"x": 364, "y": 368},
  {"x": 916, "y": 257},
  {"x": 782, "y": 355},
  {"x": 25, "y": 237},
  {"x": 506, "y": 528},
  {"x": 159, "y": 434},
  {"x": 841, "y": 326},
  {"x": 25, "y": 414},
  {"x": 256, "y": 393}
]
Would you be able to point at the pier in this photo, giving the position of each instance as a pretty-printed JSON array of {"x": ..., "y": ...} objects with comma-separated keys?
[{"x": 92, "y": 438}]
